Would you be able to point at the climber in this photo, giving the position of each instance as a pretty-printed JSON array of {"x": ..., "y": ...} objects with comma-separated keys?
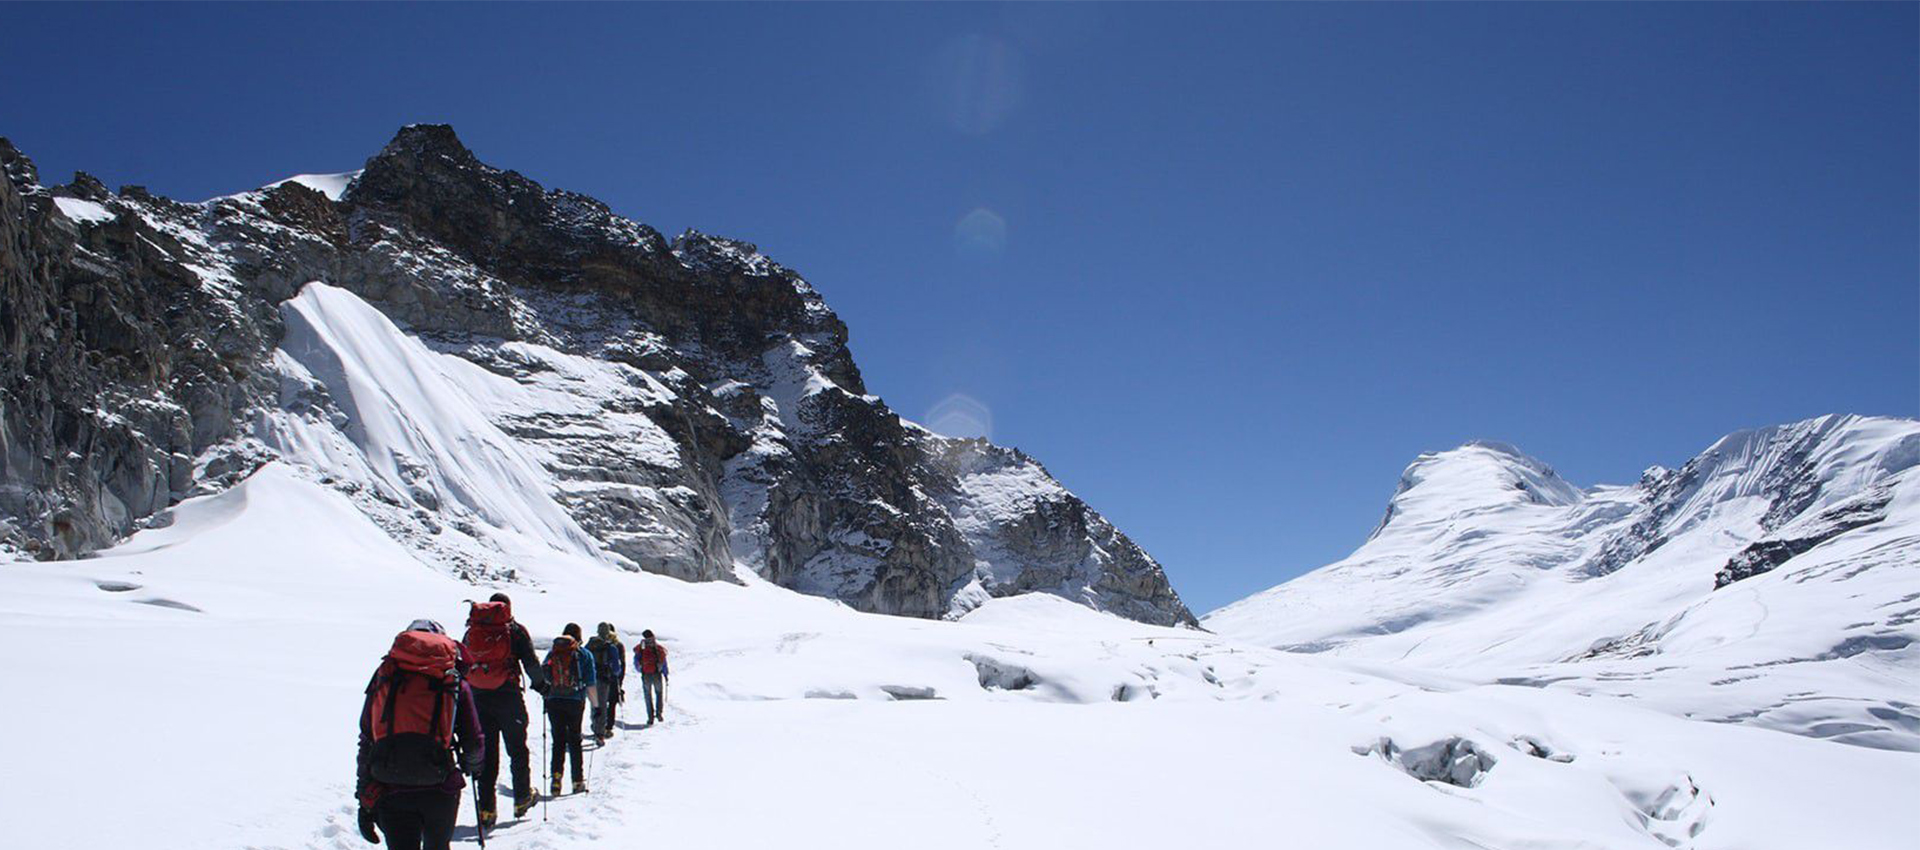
[
  {"x": 569, "y": 672},
  {"x": 610, "y": 672},
  {"x": 651, "y": 659},
  {"x": 419, "y": 731},
  {"x": 500, "y": 650}
]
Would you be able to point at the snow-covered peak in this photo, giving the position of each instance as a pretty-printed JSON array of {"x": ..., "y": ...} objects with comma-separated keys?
[
  {"x": 494, "y": 370},
  {"x": 1799, "y": 466},
  {"x": 1475, "y": 478},
  {"x": 1784, "y": 552}
]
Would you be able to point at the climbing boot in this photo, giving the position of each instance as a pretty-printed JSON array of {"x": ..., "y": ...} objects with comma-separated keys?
[
  {"x": 555, "y": 790},
  {"x": 579, "y": 786},
  {"x": 524, "y": 804},
  {"x": 488, "y": 818}
]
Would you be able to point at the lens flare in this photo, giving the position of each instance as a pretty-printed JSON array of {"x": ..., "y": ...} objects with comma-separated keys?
[
  {"x": 960, "y": 415},
  {"x": 978, "y": 82},
  {"x": 980, "y": 233}
]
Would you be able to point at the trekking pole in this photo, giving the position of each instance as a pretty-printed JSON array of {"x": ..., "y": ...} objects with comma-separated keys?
[
  {"x": 543, "y": 760},
  {"x": 480, "y": 827}
]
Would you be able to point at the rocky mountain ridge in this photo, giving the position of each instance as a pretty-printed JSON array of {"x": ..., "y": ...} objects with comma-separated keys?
[{"x": 688, "y": 406}]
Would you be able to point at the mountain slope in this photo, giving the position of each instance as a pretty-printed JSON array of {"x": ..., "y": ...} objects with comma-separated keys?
[
  {"x": 488, "y": 366},
  {"x": 1773, "y": 579},
  {"x": 1030, "y": 722}
]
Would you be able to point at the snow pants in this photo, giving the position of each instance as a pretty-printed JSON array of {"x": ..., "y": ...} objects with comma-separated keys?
[
  {"x": 563, "y": 715},
  {"x": 652, "y": 689},
  {"x": 417, "y": 820},
  {"x": 503, "y": 720},
  {"x": 605, "y": 698}
]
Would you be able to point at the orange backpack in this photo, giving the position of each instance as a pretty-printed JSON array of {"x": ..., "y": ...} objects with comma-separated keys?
[
  {"x": 563, "y": 676},
  {"x": 415, "y": 694},
  {"x": 489, "y": 644}
]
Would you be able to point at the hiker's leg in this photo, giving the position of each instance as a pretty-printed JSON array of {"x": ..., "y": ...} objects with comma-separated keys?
[
  {"x": 513, "y": 730},
  {"x": 603, "y": 697},
  {"x": 438, "y": 812},
  {"x": 579, "y": 754},
  {"x": 557, "y": 723},
  {"x": 593, "y": 707},
  {"x": 490, "y": 766},
  {"x": 401, "y": 826}
]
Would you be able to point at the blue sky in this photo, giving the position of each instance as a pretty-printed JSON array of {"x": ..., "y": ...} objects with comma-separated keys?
[{"x": 1225, "y": 269}]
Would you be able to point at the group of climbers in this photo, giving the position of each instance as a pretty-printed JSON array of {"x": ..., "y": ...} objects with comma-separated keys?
[{"x": 438, "y": 709}]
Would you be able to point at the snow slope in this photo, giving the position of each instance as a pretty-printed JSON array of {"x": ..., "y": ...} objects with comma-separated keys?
[
  {"x": 1489, "y": 565},
  {"x": 225, "y": 653},
  {"x": 373, "y": 406}
]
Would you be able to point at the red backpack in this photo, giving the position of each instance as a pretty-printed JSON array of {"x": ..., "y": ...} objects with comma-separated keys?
[
  {"x": 414, "y": 698},
  {"x": 563, "y": 674},
  {"x": 489, "y": 643}
]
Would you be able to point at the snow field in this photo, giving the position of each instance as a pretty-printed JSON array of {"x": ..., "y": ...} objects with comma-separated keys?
[{"x": 209, "y": 675}]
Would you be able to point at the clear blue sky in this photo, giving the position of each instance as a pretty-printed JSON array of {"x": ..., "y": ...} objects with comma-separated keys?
[{"x": 1232, "y": 266}]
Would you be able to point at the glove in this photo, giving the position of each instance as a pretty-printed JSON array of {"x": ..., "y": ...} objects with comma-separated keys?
[
  {"x": 471, "y": 762},
  {"x": 540, "y": 687},
  {"x": 366, "y": 826}
]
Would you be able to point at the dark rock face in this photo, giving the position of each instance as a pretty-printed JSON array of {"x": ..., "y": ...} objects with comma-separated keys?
[
  {"x": 1763, "y": 556},
  {"x": 140, "y": 337},
  {"x": 116, "y": 369}
]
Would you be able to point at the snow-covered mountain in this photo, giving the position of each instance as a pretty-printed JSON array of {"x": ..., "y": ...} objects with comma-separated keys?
[
  {"x": 1773, "y": 579},
  {"x": 239, "y": 634},
  {"x": 246, "y": 440},
  {"x": 489, "y": 368}
]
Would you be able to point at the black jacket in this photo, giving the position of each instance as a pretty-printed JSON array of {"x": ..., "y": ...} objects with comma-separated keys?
[{"x": 522, "y": 649}]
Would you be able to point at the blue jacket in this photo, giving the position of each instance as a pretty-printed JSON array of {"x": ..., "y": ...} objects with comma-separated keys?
[{"x": 583, "y": 676}]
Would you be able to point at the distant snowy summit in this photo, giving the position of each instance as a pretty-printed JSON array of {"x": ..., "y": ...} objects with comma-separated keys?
[
  {"x": 493, "y": 370},
  {"x": 1774, "y": 577}
]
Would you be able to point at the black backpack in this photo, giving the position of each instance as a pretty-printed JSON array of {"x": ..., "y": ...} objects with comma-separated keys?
[{"x": 606, "y": 654}]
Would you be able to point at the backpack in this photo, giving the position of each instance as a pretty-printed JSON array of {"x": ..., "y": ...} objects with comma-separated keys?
[
  {"x": 489, "y": 642},
  {"x": 650, "y": 659},
  {"x": 414, "y": 696},
  {"x": 563, "y": 674},
  {"x": 606, "y": 657}
]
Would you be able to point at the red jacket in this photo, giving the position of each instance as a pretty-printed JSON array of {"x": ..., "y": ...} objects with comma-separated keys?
[{"x": 652, "y": 660}]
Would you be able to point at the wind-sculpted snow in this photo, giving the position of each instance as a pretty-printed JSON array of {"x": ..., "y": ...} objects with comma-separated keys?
[
  {"x": 242, "y": 630},
  {"x": 1772, "y": 580},
  {"x": 376, "y": 409},
  {"x": 489, "y": 367}
]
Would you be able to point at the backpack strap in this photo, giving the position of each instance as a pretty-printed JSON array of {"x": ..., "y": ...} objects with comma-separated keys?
[
  {"x": 393, "y": 697},
  {"x": 433, "y": 723}
]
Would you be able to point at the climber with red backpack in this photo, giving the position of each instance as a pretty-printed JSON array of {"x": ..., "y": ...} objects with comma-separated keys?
[
  {"x": 419, "y": 731},
  {"x": 500, "y": 650},
  {"x": 569, "y": 672},
  {"x": 650, "y": 658}
]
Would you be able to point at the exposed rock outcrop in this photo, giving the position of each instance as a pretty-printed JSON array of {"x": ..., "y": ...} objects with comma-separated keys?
[{"x": 694, "y": 403}]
